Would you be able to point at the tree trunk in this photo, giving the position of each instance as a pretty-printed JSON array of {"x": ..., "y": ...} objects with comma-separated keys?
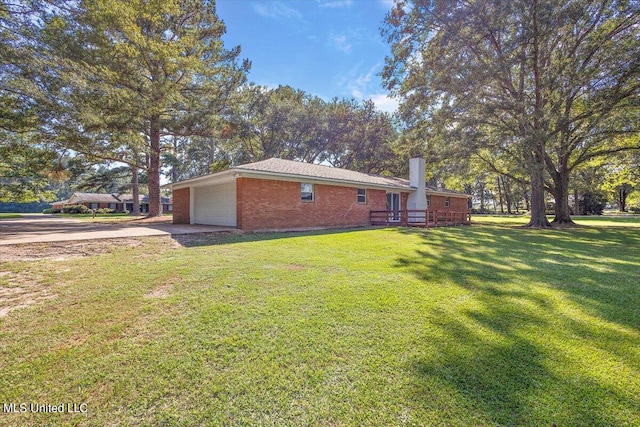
[
  {"x": 536, "y": 145},
  {"x": 561, "y": 186},
  {"x": 538, "y": 208},
  {"x": 174, "y": 168},
  {"x": 622, "y": 199},
  {"x": 154, "y": 167},
  {"x": 500, "y": 199},
  {"x": 135, "y": 185},
  {"x": 507, "y": 194}
]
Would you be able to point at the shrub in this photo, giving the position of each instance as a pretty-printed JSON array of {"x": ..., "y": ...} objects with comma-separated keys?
[
  {"x": 75, "y": 209},
  {"x": 592, "y": 203},
  {"x": 50, "y": 211},
  {"x": 105, "y": 211},
  {"x": 124, "y": 211}
]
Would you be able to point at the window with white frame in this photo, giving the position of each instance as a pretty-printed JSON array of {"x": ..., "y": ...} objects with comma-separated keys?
[
  {"x": 447, "y": 202},
  {"x": 362, "y": 195},
  {"x": 306, "y": 192},
  {"x": 428, "y": 201}
]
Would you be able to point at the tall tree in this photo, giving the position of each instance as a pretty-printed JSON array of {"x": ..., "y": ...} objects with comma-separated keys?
[
  {"x": 550, "y": 83},
  {"x": 143, "y": 68},
  {"x": 367, "y": 146},
  {"x": 622, "y": 178},
  {"x": 27, "y": 162}
]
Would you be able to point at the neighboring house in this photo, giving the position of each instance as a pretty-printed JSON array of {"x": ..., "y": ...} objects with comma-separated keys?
[
  {"x": 111, "y": 201},
  {"x": 127, "y": 199},
  {"x": 278, "y": 194}
]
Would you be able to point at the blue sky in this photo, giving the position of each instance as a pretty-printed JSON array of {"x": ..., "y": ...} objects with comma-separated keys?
[{"x": 325, "y": 47}]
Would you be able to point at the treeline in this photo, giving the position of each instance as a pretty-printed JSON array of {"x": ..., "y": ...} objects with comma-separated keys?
[
  {"x": 528, "y": 105},
  {"x": 290, "y": 124}
]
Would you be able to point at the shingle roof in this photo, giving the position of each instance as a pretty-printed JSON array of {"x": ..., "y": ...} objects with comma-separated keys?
[
  {"x": 431, "y": 189},
  {"x": 142, "y": 198},
  {"x": 301, "y": 171},
  {"x": 94, "y": 198},
  {"x": 310, "y": 170}
]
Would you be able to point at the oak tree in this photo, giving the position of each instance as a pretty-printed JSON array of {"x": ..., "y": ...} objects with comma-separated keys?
[{"x": 553, "y": 84}]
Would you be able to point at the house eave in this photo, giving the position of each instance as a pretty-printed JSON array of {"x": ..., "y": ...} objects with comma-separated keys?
[
  {"x": 199, "y": 181},
  {"x": 224, "y": 176},
  {"x": 448, "y": 194},
  {"x": 247, "y": 173}
]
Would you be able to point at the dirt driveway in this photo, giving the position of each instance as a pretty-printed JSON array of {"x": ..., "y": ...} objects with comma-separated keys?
[{"x": 38, "y": 228}]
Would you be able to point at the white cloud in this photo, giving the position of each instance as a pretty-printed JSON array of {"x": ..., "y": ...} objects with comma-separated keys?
[
  {"x": 384, "y": 102},
  {"x": 388, "y": 4},
  {"x": 358, "y": 84},
  {"x": 277, "y": 9},
  {"x": 335, "y": 3},
  {"x": 347, "y": 40},
  {"x": 340, "y": 42},
  {"x": 362, "y": 86}
]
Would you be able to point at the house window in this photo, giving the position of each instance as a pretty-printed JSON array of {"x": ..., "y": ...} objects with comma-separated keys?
[
  {"x": 362, "y": 195},
  {"x": 306, "y": 192},
  {"x": 112, "y": 206},
  {"x": 93, "y": 206},
  {"x": 428, "y": 201},
  {"x": 446, "y": 202}
]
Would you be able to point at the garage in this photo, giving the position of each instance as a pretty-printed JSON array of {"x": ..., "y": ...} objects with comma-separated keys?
[{"x": 215, "y": 204}]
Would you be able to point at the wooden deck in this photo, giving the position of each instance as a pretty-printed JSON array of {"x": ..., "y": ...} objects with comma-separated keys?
[{"x": 419, "y": 218}]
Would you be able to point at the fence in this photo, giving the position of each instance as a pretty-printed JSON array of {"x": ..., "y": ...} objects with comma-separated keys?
[{"x": 420, "y": 218}]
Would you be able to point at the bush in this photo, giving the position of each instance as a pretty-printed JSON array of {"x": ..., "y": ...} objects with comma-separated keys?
[
  {"x": 105, "y": 211},
  {"x": 592, "y": 203},
  {"x": 126, "y": 212},
  {"x": 75, "y": 209},
  {"x": 634, "y": 209},
  {"x": 50, "y": 211}
]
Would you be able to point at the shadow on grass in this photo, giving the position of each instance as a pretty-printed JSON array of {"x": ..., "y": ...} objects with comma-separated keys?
[
  {"x": 538, "y": 306},
  {"x": 226, "y": 237}
]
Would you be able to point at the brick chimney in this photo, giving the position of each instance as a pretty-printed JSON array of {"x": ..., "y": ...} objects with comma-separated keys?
[{"x": 417, "y": 174}]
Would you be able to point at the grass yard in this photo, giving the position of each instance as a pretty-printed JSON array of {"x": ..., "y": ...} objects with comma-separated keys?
[
  {"x": 9, "y": 215},
  {"x": 463, "y": 326},
  {"x": 590, "y": 221}
]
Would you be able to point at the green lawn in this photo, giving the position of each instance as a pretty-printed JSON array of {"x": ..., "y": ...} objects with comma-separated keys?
[
  {"x": 462, "y": 326},
  {"x": 9, "y": 215},
  {"x": 591, "y": 221}
]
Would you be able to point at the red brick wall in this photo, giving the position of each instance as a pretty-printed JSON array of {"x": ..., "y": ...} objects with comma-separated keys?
[
  {"x": 270, "y": 204},
  {"x": 181, "y": 214},
  {"x": 457, "y": 204}
]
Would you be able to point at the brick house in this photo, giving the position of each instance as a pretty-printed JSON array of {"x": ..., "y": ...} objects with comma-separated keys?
[
  {"x": 116, "y": 202},
  {"x": 278, "y": 194}
]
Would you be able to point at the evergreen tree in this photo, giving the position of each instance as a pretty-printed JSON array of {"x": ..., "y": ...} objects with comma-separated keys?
[{"x": 123, "y": 75}]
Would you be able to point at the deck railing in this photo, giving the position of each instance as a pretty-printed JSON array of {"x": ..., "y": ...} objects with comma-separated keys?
[{"x": 420, "y": 218}]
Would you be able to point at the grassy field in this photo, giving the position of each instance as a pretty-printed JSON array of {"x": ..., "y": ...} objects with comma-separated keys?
[
  {"x": 589, "y": 221},
  {"x": 464, "y": 326},
  {"x": 9, "y": 215}
]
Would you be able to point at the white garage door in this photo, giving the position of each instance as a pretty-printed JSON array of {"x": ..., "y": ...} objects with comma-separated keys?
[{"x": 215, "y": 204}]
